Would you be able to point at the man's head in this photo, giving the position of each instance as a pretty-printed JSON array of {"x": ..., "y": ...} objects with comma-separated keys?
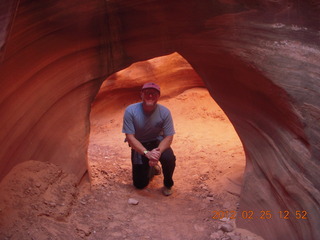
[
  {"x": 150, "y": 94},
  {"x": 151, "y": 86}
]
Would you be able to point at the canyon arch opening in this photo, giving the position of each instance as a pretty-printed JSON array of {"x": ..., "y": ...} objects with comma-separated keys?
[
  {"x": 201, "y": 125},
  {"x": 210, "y": 157}
]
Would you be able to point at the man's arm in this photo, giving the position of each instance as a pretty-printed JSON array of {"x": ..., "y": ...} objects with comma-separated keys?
[
  {"x": 165, "y": 143},
  {"x": 135, "y": 144},
  {"x": 156, "y": 152}
]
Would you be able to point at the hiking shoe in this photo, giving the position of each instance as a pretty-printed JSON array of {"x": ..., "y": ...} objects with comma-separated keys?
[
  {"x": 167, "y": 191},
  {"x": 157, "y": 169}
]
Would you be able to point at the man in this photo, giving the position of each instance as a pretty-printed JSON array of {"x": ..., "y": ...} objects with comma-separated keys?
[{"x": 148, "y": 127}]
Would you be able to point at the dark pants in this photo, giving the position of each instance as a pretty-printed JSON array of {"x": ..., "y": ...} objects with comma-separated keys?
[{"x": 141, "y": 172}]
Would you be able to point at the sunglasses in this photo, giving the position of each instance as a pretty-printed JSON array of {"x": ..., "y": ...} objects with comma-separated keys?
[{"x": 148, "y": 92}]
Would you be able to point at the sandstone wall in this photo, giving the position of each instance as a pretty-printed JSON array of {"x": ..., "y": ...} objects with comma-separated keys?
[{"x": 259, "y": 60}]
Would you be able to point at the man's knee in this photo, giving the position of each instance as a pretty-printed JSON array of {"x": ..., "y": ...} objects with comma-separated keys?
[
  {"x": 168, "y": 156},
  {"x": 140, "y": 185}
]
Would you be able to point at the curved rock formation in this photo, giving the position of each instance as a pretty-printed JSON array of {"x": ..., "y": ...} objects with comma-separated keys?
[
  {"x": 122, "y": 88},
  {"x": 259, "y": 60}
]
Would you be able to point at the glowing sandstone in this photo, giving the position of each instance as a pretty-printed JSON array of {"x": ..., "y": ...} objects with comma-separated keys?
[{"x": 259, "y": 59}]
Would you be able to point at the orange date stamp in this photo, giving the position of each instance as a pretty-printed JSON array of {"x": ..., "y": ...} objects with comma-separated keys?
[{"x": 263, "y": 214}]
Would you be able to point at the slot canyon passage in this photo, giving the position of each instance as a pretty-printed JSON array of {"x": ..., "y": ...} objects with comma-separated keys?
[
  {"x": 210, "y": 158},
  {"x": 259, "y": 60}
]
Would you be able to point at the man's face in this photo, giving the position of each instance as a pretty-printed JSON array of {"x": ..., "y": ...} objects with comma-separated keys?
[{"x": 150, "y": 97}]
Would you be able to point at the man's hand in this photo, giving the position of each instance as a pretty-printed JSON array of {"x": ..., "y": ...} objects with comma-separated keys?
[{"x": 153, "y": 156}]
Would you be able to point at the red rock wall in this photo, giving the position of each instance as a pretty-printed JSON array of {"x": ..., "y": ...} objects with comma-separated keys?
[
  {"x": 49, "y": 73},
  {"x": 259, "y": 60}
]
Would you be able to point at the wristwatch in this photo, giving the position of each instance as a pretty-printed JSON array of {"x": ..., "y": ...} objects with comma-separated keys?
[{"x": 145, "y": 152}]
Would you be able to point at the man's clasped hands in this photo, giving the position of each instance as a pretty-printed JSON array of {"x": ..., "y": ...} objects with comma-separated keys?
[{"x": 153, "y": 156}]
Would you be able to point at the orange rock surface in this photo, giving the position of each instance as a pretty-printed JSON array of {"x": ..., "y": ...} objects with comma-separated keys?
[{"x": 258, "y": 59}]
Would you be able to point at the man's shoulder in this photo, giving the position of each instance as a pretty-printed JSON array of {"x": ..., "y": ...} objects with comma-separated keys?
[{"x": 163, "y": 108}]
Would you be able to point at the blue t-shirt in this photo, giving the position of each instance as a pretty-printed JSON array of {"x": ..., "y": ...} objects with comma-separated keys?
[{"x": 147, "y": 127}]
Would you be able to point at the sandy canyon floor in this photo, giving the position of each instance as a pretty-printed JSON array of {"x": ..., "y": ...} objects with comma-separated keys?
[{"x": 39, "y": 201}]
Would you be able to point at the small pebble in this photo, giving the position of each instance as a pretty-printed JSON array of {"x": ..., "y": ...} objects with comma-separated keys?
[
  {"x": 226, "y": 227},
  {"x": 210, "y": 199},
  {"x": 220, "y": 232},
  {"x": 215, "y": 236},
  {"x": 198, "y": 228},
  {"x": 225, "y": 219},
  {"x": 133, "y": 201},
  {"x": 227, "y": 205},
  {"x": 234, "y": 237}
]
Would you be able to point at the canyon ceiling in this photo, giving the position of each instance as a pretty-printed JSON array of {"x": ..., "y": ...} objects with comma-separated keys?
[{"x": 260, "y": 60}]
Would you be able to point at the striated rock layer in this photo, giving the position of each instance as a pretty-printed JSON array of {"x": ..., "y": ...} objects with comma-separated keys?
[{"x": 259, "y": 60}]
